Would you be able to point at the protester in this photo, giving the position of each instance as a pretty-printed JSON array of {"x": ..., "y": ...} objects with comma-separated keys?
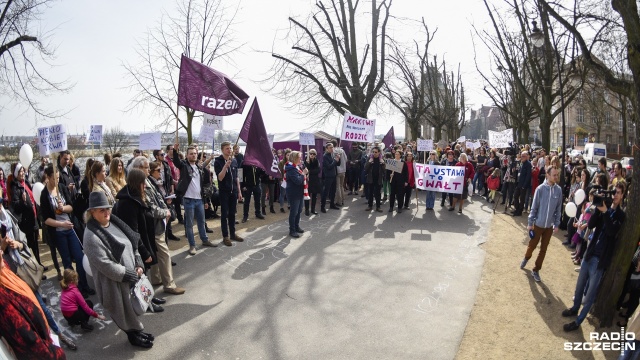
[
  {"x": 314, "y": 183},
  {"x": 430, "y": 200},
  {"x": 493, "y": 184},
  {"x": 478, "y": 178},
  {"x": 281, "y": 165},
  {"x": 411, "y": 179},
  {"x": 268, "y": 190},
  {"x": 117, "y": 178},
  {"x": 23, "y": 206},
  {"x": 544, "y": 219},
  {"x": 250, "y": 185},
  {"x": 75, "y": 309},
  {"x": 523, "y": 184},
  {"x": 341, "y": 170},
  {"x": 228, "y": 186},
  {"x": 353, "y": 169},
  {"x": 449, "y": 161},
  {"x": 65, "y": 174},
  {"x": 191, "y": 187},
  {"x": 330, "y": 161},
  {"x": 111, "y": 248},
  {"x": 397, "y": 182},
  {"x": 57, "y": 213},
  {"x": 97, "y": 181},
  {"x": 375, "y": 169},
  {"x": 296, "y": 189},
  {"x": 606, "y": 222},
  {"x": 468, "y": 176},
  {"x": 175, "y": 177}
]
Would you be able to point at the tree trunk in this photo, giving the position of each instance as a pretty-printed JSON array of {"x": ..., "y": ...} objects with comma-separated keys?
[
  {"x": 414, "y": 128},
  {"x": 437, "y": 136},
  {"x": 545, "y": 136}
]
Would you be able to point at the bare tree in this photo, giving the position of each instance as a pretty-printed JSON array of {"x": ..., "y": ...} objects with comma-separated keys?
[
  {"x": 330, "y": 68},
  {"x": 24, "y": 51},
  {"x": 445, "y": 95},
  {"x": 115, "y": 139},
  {"x": 623, "y": 21},
  {"x": 406, "y": 90},
  {"x": 539, "y": 81},
  {"x": 201, "y": 30}
]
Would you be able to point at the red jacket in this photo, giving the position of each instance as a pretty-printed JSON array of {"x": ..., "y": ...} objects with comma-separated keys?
[
  {"x": 469, "y": 172},
  {"x": 493, "y": 182}
]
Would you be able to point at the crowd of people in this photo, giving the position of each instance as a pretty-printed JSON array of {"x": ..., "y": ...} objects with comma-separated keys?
[{"x": 120, "y": 217}]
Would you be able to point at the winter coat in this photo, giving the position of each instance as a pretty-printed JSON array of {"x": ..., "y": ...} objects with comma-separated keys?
[
  {"x": 295, "y": 183},
  {"x": 113, "y": 257},
  {"x": 314, "y": 182},
  {"x": 135, "y": 213},
  {"x": 22, "y": 210},
  {"x": 368, "y": 167}
]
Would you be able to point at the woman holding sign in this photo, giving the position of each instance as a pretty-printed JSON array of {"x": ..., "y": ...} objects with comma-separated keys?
[
  {"x": 397, "y": 183},
  {"x": 468, "y": 175},
  {"x": 431, "y": 195}
]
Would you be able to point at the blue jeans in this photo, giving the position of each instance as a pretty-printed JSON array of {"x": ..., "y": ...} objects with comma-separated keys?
[
  {"x": 431, "y": 199},
  {"x": 589, "y": 277},
  {"x": 228, "y": 204},
  {"x": 294, "y": 213},
  {"x": 479, "y": 179},
  {"x": 631, "y": 354},
  {"x": 47, "y": 313},
  {"x": 194, "y": 207},
  {"x": 68, "y": 246}
]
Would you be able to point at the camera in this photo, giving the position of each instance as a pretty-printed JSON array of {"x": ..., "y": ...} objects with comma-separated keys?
[{"x": 602, "y": 196}]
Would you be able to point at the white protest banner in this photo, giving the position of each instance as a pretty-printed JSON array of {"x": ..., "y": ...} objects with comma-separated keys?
[
  {"x": 439, "y": 178},
  {"x": 462, "y": 139},
  {"x": 477, "y": 145},
  {"x": 94, "y": 135},
  {"x": 150, "y": 141},
  {"x": 207, "y": 134},
  {"x": 355, "y": 128},
  {"x": 211, "y": 121},
  {"x": 500, "y": 139},
  {"x": 470, "y": 145},
  {"x": 394, "y": 165},
  {"x": 425, "y": 145},
  {"x": 307, "y": 139},
  {"x": 52, "y": 139}
]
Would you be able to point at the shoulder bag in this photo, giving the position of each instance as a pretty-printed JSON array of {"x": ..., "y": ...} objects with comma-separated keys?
[
  {"x": 30, "y": 271},
  {"x": 141, "y": 295}
]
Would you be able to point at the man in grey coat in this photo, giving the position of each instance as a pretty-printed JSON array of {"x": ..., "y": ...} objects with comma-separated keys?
[{"x": 544, "y": 219}]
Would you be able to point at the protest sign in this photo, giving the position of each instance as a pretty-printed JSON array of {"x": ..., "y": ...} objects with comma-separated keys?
[
  {"x": 307, "y": 139},
  {"x": 212, "y": 121},
  {"x": 500, "y": 139},
  {"x": 442, "y": 144},
  {"x": 461, "y": 139},
  {"x": 425, "y": 145},
  {"x": 477, "y": 145},
  {"x": 150, "y": 141},
  {"x": 207, "y": 134},
  {"x": 470, "y": 145},
  {"x": 439, "y": 178},
  {"x": 52, "y": 139},
  {"x": 355, "y": 128},
  {"x": 94, "y": 135},
  {"x": 394, "y": 165}
]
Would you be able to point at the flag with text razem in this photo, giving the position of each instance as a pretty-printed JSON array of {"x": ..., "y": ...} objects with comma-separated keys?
[
  {"x": 258, "y": 152},
  {"x": 208, "y": 90},
  {"x": 449, "y": 179}
]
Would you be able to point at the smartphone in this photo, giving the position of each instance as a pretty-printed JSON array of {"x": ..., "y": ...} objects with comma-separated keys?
[{"x": 3, "y": 231}]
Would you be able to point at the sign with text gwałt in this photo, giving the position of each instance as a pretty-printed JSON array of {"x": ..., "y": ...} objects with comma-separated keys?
[
  {"x": 355, "y": 128},
  {"x": 52, "y": 139},
  {"x": 449, "y": 179}
]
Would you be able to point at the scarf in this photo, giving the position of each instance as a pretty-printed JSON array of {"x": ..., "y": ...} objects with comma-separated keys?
[
  {"x": 306, "y": 186},
  {"x": 12, "y": 282},
  {"x": 114, "y": 246},
  {"x": 33, "y": 201},
  {"x": 107, "y": 192},
  {"x": 10, "y": 222}
]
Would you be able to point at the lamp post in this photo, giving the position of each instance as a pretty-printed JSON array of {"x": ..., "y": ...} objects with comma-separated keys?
[{"x": 538, "y": 40}]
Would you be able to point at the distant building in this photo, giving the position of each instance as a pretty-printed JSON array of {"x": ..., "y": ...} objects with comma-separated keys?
[{"x": 482, "y": 120}]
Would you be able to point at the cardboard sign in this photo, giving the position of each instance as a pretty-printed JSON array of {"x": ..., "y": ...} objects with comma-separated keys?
[
  {"x": 94, "y": 135},
  {"x": 207, "y": 134},
  {"x": 52, "y": 139},
  {"x": 307, "y": 139},
  {"x": 462, "y": 139},
  {"x": 394, "y": 165},
  {"x": 500, "y": 139},
  {"x": 425, "y": 145},
  {"x": 449, "y": 179},
  {"x": 470, "y": 145},
  {"x": 150, "y": 141},
  {"x": 212, "y": 121},
  {"x": 355, "y": 128}
]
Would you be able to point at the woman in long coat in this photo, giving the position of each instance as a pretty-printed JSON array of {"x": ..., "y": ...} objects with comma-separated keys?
[
  {"x": 315, "y": 185},
  {"x": 111, "y": 248}
]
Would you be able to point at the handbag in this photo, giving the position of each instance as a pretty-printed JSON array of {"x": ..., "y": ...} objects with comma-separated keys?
[
  {"x": 30, "y": 271},
  {"x": 141, "y": 295}
]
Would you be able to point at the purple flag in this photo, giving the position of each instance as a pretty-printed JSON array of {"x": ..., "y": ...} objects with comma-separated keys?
[
  {"x": 209, "y": 91},
  {"x": 389, "y": 140},
  {"x": 258, "y": 153}
]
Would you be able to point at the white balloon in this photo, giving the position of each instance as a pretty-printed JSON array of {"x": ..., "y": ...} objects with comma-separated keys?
[
  {"x": 26, "y": 155},
  {"x": 579, "y": 196},
  {"x": 85, "y": 264},
  {"x": 37, "y": 190},
  {"x": 571, "y": 209}
]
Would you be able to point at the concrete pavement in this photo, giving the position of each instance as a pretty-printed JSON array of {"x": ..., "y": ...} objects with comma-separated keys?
[{"x": 356, "y": 285}]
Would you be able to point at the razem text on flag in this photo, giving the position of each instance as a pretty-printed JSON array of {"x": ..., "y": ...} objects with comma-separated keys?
[
  {"x": 355, "y": 128},
  {"x": 449, "y": 179},
  {"x": 208, "y": 90}
]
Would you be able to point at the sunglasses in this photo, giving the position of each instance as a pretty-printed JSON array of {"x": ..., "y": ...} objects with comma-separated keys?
[{"x": 162, "y": 154}]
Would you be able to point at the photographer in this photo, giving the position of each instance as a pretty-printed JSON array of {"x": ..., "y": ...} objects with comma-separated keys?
[{"x": 607, "y": 222}]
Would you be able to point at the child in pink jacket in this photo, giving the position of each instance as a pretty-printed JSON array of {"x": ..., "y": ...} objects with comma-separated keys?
[{"x": 74, "y": 308}]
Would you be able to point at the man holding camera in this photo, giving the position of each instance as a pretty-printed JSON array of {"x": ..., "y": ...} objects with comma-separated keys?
[
  {"x": 544, "y": 219},
  {"x": 607, "y": 222}
]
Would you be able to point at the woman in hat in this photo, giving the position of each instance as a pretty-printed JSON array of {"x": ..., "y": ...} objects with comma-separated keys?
[
  {"x": 23, "y": 207},
  {"x": 111, "y": 248}
]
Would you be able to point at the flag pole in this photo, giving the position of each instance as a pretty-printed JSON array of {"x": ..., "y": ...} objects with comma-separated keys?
[{"x": 177, "y": 121}]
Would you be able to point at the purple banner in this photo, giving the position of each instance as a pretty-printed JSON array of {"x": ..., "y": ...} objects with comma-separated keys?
[
  {"x": 258, "y": 153},
  {"x": 209, "y": 91},
  {"x": 389, "y": 140}
]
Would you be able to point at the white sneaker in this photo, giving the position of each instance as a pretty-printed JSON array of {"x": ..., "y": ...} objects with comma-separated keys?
[{"x": 192, "y": 250}]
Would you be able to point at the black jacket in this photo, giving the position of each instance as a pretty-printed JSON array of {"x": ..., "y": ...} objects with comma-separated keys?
[
  {"x": 227, "y": 184},
  {"x": 329, "y": 165},
  {"x": 67, "y": 178},
  {"x": 368, "y": 167},
  {"x": 186, "y": 173},
  {"x": 251, "y": 176},
  {"x": 48, "y": 211},
  {"x": 315, "y": 184},
  {"x": 22, "y": 210},
  {"x": 606, "y": 227},
  {"x": 134, "y": 212}
]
